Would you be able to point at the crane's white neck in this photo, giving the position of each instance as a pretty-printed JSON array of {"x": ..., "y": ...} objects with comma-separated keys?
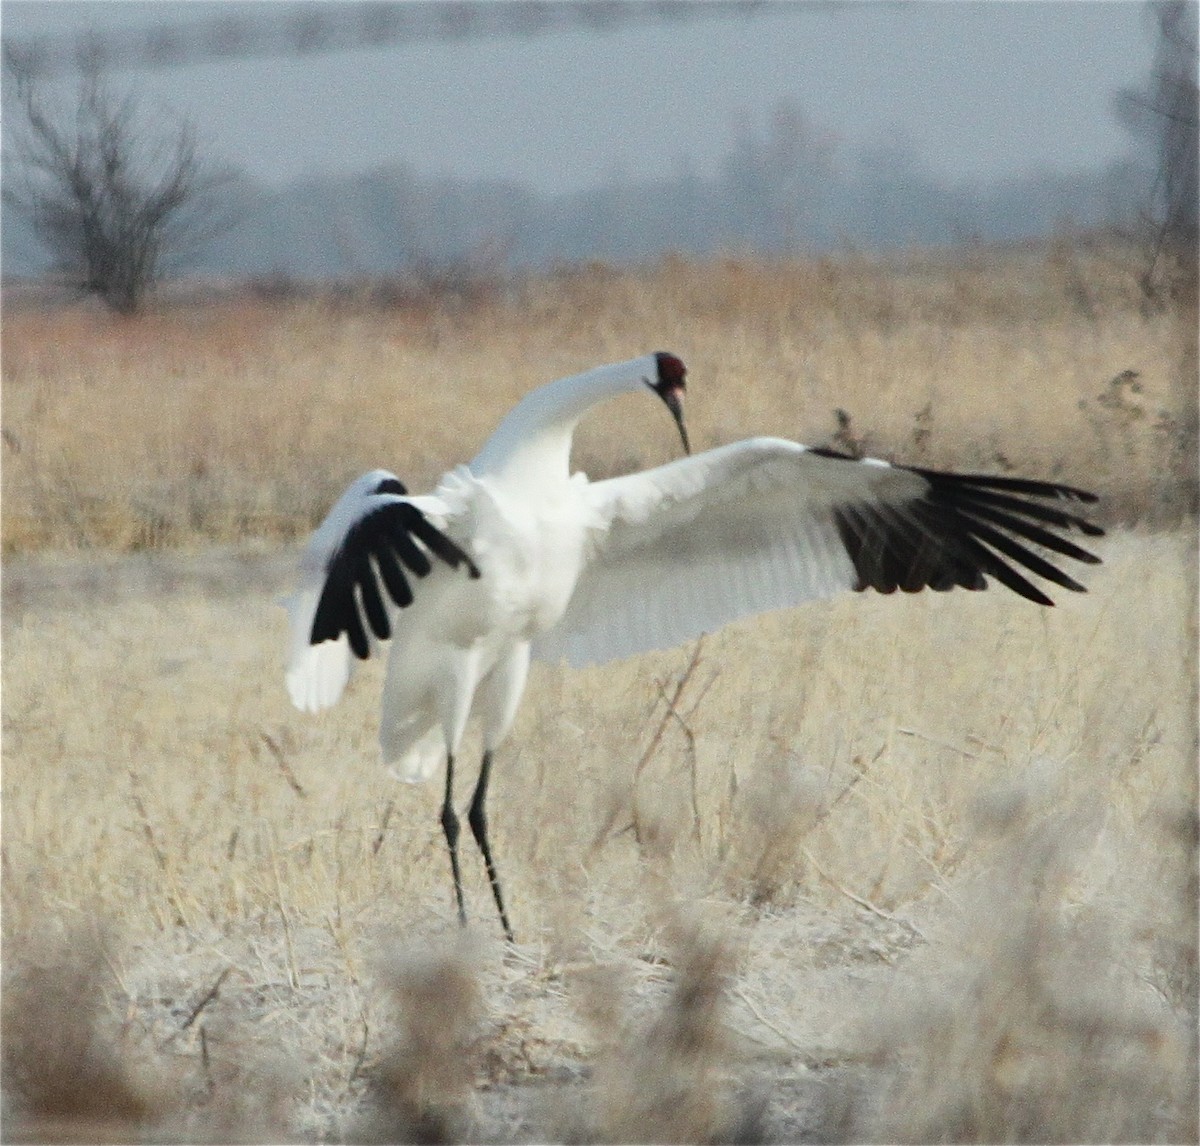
[{"x": 533, "y": 442}]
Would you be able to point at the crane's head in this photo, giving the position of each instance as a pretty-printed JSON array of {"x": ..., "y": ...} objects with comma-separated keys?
[{"x": 669, "y": 386}]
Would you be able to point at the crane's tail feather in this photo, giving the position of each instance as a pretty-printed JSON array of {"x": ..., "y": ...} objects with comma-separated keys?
[{"x": 412, "y": 751}]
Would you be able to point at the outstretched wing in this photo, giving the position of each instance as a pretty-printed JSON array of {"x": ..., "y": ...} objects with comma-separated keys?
[
  {"x": 373, "y": 541},
  {"x": 766, "y": 523}
]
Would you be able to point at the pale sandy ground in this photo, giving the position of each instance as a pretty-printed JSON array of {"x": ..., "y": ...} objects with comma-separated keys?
[{"x": 911, "y": 869}]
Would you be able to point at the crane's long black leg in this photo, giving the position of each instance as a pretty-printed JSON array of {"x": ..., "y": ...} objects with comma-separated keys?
[
  {"x": 450, "y": 827},
  {"x": 477, "y": 818}
]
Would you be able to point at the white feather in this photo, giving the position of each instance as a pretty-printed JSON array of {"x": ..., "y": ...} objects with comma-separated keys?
[{"x": 696, "y": 544}]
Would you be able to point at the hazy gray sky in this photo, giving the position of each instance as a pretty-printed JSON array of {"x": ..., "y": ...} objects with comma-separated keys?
[{"x": 978, "y": 89}]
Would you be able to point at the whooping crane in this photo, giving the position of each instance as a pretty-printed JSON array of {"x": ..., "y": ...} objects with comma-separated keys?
[{"x": 517, "y": 557}]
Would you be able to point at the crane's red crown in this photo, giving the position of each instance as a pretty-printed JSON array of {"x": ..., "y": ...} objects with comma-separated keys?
[{"x": 671, "y": 372}]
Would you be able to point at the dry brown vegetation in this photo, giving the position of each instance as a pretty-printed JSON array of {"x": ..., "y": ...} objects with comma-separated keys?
[
  {"x": 244, "y": 418},
  {"x": 916, "y": 869}
]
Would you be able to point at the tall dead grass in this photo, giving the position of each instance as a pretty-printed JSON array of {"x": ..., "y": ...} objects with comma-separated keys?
[{"x": 242, "y": 419}]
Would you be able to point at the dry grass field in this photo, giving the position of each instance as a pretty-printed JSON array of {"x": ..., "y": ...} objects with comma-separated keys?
[
  {"x": 916, "y": 869},
  {"x": 244, "y": 418}
]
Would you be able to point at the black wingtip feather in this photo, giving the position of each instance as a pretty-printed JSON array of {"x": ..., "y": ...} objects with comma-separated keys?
[
  {"x": 438, "y": 543},
  {"x": 1025, "y": 507},
  {"x": 981, "y": 514},
  {"x": 962, "y": 530},
  {"x": 1025, "y": 486},
  {"x": 377, "y": 548}
]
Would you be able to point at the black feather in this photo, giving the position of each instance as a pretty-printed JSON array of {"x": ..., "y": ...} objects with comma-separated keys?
[
  {"x": 368, "y": 588},
  {"x": 393, "y": 577},
  {"x": 438, "y": 543},
  {"x": 1046, "y": 489},
  {"x": 1036, "y": 533},
  {"x": 963, "y": 529},
  {"x": 378, "y": 547},
  {"x": 1049, "y": 514}
]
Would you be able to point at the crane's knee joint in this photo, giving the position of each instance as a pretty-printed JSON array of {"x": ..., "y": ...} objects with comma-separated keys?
[
  {"x": 450, "y": 824},
  {"x": 477, "y": 818}
]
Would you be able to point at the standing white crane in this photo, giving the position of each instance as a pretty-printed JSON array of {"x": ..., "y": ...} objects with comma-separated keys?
[{"x": 518, "y": 557}]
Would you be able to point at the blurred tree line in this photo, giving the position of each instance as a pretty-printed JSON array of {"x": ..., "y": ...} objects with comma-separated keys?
[{"x": 116, "y": 200}]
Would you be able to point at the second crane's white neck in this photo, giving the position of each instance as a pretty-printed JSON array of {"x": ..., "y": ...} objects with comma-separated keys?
[{"x": 533, "y": 442}]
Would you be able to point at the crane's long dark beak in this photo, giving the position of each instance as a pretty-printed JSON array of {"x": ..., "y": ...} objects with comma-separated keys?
[{"x": 673, "y": 397}]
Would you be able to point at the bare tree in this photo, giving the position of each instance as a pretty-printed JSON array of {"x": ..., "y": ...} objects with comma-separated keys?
[
  {"x": 114, "y": 199},
  {"x": 1165, "y": 114}
]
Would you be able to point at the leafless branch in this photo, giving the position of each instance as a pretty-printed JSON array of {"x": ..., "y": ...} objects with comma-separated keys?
[{"x": 114, "y": 200}]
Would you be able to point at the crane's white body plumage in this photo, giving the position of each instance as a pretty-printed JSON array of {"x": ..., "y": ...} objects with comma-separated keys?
[
  {"x": 464, "y": 648},
  {"x": 562, "y": 568}
]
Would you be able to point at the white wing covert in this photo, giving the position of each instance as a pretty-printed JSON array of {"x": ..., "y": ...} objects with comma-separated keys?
[
  {"x": 767, "y": 523},
  {"x": 368, "y": 542}
]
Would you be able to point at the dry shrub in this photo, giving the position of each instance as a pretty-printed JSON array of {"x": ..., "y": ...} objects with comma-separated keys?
[
  {"x": 774, "y": 814},
  {"x": 67, "y": 1076},
  {"x": 669, "y": 1076},
  {"x": 422, "y": 1081},
  {"x": 938, "y": 696},
  {"x": 79, "y": 1066},
  {"x": 1031, "y": 1020}
]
